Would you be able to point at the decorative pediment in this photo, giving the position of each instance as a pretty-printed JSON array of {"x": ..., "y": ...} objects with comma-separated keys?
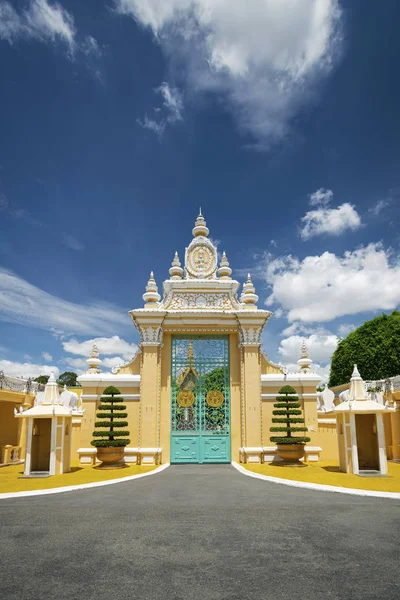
[{"x": 201, "y": 300}]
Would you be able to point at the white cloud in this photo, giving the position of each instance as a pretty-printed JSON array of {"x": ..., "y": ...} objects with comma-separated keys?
[
  {"x": 263, "y": 57},
  {"x": 321, "y": 197},
  {"x": 158, "y": 127},
  {"x": 25, "y": 304},
  {"x": 47, "y": 356},
  {"x": 378, "y": 207},
  {"x": 15, "y": 369},
  {"x": 331, "y": 221},
  {"x": 173, "y": 107},
  {"x": 322, "y": 288},
  {"x": 345, "y": 329},
  {"x": 13, "y": 211},
  {"x": 39, "y": 20},
  {"x": 71, "y": 242},
  {"x": 107, "y": 346},
  {"x": 320, "y": 347}
]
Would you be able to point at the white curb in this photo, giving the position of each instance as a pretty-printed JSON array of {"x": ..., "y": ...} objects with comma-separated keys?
[
  {"x": 316, "y": 486},
  {"x": 81, "y": 486}
]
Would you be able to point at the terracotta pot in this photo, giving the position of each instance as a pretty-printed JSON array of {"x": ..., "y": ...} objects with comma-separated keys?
[
  {"x": 291, "y": 453},
  {"x": 111, "y": 458}
]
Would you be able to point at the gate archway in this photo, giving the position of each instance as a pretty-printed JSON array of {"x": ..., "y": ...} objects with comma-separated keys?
[{"x": 200, "y": 399}]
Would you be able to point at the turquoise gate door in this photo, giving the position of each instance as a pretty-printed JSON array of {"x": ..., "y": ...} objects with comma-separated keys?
[{"x": 200, "y": 400}]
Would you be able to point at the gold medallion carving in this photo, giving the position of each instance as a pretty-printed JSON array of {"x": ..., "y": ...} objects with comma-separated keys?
[
  {"x": 214, "y": 398},
  {"x": 185, "y": 398}
]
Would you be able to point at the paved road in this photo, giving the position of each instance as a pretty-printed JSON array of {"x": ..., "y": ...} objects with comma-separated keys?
[{"x": 201, "y": 532}]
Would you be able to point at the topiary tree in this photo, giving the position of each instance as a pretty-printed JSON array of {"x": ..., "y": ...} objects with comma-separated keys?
[
  {"x": 110, "y": 409},
  {"x": 287, "y": 412},
  {"x": 373, "y": 347}
]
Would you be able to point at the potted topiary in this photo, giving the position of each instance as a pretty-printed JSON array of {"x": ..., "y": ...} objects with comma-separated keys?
[
  {"x": 111, "y": 449},
  {"x": 287, "y": 412}
]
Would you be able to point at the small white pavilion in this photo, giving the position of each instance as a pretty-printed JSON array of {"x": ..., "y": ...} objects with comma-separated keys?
[
  {"x": 360, "y": 431},
  {"x": 48, "y": 447}
]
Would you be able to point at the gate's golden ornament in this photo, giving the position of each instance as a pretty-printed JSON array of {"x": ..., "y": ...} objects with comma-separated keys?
[
  {"x": 214, "y": 398},
  {"x": 185, "y": 398}
]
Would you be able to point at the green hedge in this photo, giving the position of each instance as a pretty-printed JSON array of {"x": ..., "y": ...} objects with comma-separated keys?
[
  {"x": 109, "y": 443},
  {"x": 111, "y": 434},
  {"x": 115, "y": 407},
  {"x": 107, "y": 424},
  {"x": 110, "y": 408},
  {"x": 108, "y": 415},
  {"x": 285, "y": 441},
  {"x": 285, "y": 408}
]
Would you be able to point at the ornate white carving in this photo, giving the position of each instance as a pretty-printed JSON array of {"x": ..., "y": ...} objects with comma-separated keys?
[
  {"x": 201, "y": 259},
  {"x": 250, "y": 336},
  {"x": 151, "y": 335},
  {"x": 185, "y": 300}
]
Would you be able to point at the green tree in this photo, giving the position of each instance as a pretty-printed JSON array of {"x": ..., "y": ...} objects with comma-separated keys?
[
  {"x": 68, "y": 378},
  {"x": 287, "y": 412},
  {"x": 374, "y": 347},
  {"x": 110, "y": 409},
  {"x": 43, "y": 379}
]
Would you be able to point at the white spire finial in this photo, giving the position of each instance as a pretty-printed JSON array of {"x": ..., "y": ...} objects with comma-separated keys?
[
  {"x": 94, "y": 361},
  {"x": 151, "y": 296},
  {"x": 249, "y": 296},
  {"x": 305, "y": 361},
  {"x": 200, "y": 226},
  {"x": 224, "y": 271},
  {"x": 52, "y": 379},
  {"x": 304, "y": 350},
  {"x": 176, "y": 270}
]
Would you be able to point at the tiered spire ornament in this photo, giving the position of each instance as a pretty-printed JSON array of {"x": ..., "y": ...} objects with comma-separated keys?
[
  {"x": 357, "y": 389},
  {"x": 305, "y": 361},
  {"x": 94, "y": 361},
  {"x": 200, "y": 227},
  {"x": 151, "y": 296},
  {"x": 224, "y": 270},
  {"x": 176, "y": 270},
  {"x": 51, "y": 394},
  {"x": 249, "y": 296}
]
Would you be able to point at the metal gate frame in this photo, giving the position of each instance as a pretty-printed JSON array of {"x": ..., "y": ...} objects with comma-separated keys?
[{"x": 200, "y": 421}]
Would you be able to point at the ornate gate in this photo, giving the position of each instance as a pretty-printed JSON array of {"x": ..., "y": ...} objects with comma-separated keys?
[{"x": 200, "y": 396}]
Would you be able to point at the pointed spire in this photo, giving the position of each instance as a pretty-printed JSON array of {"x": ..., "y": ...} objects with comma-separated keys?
[
  {"x": 249, "y": 296},
  {"x": 305, "y": 361},
  {"x": 176, "y": 270},
  {"x": 224, "y": 270},
  {"x": 94, "y": 361},
  {"x": 357, "y": 388},
  {"x": 304, "y": 350},
  {"x": 151, "y": 296},
  {"x": 51, "y": 394},
  {"x": 190, "y": 356},
  {"x": 200, "y": 227}
]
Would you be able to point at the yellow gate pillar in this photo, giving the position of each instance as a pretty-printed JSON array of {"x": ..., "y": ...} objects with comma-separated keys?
[
  {"x": 250, "y": 330},
  {"x": 149, "y": 323}
]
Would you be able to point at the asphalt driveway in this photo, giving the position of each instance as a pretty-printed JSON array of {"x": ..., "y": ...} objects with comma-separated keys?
[{"x": 202, "y": 532}]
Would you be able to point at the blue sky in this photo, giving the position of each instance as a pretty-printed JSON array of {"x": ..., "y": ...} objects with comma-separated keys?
[{"x": 119, "y": 118}]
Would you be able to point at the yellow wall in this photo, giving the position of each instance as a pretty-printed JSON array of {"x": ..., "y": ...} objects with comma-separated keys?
[
  {"x": 8, "y": 424},
  {"x": 252, "y": 390},
  {"x": 166, "y": 397},
  {"x": 234, "y": 353}
]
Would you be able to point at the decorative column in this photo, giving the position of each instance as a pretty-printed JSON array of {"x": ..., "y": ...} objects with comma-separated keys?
[
  {"x": 251, "y": 324},
  {"x": 149, "y": 323},
  {"x": 23, "y": 427}
]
